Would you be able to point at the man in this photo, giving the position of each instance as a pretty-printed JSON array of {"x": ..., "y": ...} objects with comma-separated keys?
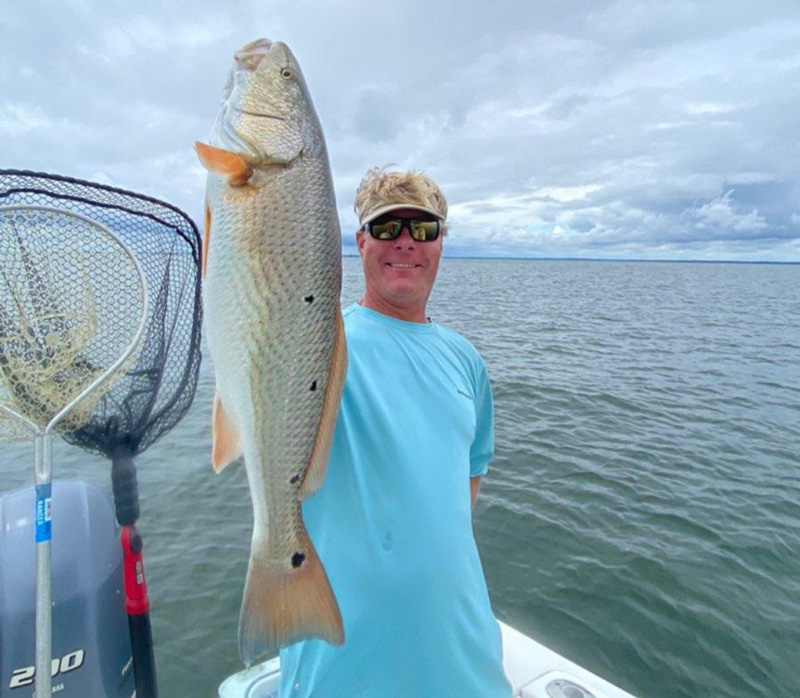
[{"x": 392, "y": 522}]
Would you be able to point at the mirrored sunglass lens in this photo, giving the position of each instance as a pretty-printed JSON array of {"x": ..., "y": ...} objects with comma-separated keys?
[
  {"x": 386, "y": 231},
  {"x": 424, "y": 230}
]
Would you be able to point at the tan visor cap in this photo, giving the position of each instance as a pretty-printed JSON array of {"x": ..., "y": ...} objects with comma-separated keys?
[{"x": 372, "y": 215}]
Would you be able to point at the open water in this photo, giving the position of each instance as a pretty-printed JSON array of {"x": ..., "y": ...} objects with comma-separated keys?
[{"x": 642, "y": 515}]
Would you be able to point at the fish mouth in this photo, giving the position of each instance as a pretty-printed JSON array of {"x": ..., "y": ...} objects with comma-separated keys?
[
  {"x": 249, "y": 57},
  {"x": 261, "y": 114}
]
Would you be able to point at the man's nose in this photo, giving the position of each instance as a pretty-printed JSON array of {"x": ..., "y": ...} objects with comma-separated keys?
[{"x": 405, "y": 237}]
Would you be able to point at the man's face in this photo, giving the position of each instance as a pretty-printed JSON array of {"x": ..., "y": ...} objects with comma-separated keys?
[{"x": 388, "y": 275}]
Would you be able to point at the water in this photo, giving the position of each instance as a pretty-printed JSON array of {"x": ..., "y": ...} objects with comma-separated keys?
[{"x": 642, "y": 516}]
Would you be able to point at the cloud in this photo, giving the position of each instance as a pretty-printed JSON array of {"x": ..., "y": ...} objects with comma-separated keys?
[
  {"x": 703, "y": 108},
  {"x": 375, "y": 115},
  {"x": 720, "y": 214},
  {"x": 19, "y": 119},
  {"x": 636, "y": 129}
]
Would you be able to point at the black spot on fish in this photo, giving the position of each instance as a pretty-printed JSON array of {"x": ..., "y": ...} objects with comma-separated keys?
[
  {"x": 297, "y": 559},
  {"x": 313, "y": 386},
  {"x": 294, "y": 479},
  {"x": 309, "y": 299}
]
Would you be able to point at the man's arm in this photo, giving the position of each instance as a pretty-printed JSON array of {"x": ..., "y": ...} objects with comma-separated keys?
[
  {"x": 482, "y": 448},
  {"x": 474, "y": 486}
]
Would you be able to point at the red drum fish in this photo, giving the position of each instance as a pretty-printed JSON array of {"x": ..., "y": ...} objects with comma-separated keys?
[{"x": 272, "y": 280}]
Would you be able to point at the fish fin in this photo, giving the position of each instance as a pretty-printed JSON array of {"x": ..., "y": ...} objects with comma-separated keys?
[
  {"x": 318, "y": 463},
  {"x": 282, "y": 605},
  {"x": 226, "y": 447},
  {"x": 206, "y": 237},
  {"x": 225, "y": 163}
]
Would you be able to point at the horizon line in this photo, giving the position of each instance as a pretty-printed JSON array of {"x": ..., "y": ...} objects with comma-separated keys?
[{"x": 613, "y": 259}]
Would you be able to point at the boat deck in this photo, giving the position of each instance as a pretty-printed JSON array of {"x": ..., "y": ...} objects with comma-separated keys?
[{"x": 533, "y": 670}]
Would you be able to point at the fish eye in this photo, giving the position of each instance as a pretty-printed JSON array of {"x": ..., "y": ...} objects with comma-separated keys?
[{"x": 286, "y": 73}]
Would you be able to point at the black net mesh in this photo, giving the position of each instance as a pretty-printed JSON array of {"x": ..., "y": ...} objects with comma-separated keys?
[
  {"x": 71, "y": 309},
  {"x": 157, "y": 390}
]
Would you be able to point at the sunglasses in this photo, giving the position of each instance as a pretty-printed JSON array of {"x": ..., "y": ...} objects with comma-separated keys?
[{"x": 421, "y": 231}]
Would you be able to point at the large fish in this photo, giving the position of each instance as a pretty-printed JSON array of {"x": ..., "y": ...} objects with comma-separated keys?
[{"x": 271, "y": 301}]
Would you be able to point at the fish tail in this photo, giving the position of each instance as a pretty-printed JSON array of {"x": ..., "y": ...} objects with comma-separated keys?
[{"x": 286, "y": 603}]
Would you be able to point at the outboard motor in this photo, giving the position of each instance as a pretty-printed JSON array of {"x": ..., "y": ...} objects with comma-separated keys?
[{"x": 91, "y": 642}]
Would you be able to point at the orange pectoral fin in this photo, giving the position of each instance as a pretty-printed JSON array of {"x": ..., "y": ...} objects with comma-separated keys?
[
  {"x": 225, "y": 163},
  {"x": 226, "y": 448}
]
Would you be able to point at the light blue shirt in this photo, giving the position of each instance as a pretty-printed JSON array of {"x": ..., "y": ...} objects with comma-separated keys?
[{"x": 392, "y": 522}]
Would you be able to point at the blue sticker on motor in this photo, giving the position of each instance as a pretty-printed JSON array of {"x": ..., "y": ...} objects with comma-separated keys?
[{"x": 43, "y": 515}]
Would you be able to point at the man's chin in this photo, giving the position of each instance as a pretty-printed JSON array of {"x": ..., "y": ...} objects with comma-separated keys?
[{"x": 400, "y": 292}]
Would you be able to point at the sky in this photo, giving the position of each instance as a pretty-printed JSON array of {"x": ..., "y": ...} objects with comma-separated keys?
[{"x": 589, "y": 129}]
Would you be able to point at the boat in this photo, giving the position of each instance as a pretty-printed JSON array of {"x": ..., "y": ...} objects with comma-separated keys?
[
  {"x": 90, "y": 616},
  {"x": 92, "y": 650},
  {"x": 533, "y": 670}
]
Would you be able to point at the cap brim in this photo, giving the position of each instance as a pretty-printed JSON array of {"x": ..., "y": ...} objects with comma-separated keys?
[{"x": 393, "y": 207}]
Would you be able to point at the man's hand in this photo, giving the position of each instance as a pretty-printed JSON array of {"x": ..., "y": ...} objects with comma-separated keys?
[{"x": 474, "y": 486}]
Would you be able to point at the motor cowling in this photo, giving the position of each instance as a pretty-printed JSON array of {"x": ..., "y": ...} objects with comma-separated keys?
[{"x": 91, "y": 641}]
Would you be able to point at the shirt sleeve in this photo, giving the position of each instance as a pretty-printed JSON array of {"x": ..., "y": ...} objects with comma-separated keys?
[{"x": 482, "y": 448}]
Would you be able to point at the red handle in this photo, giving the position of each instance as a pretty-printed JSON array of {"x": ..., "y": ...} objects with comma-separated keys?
[{"x": 136, "y": 601}]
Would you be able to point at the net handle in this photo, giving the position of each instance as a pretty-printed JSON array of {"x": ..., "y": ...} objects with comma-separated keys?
[{"x": 44, "y": 469}]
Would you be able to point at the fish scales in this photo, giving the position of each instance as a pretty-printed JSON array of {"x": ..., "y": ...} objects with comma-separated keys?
[
  {"x": 271, "y": 297},
  {"x": 282, "y": 272}
]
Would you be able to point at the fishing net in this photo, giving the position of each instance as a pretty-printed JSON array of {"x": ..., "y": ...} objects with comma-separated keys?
[
  {"x": 71, "y": 302},
  {"x": 159, "y": 386},
  {"x": 72, "y": 306}
]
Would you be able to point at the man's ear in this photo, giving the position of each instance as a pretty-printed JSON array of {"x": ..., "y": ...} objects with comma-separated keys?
[{"x": 361, "y": 239}]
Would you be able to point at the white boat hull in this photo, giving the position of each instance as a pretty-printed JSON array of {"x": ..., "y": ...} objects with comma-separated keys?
[{"x": 533, "y": 670}]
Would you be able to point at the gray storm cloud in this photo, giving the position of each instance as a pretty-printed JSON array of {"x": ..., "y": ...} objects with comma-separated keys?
[{"x": 590, "y": 129}]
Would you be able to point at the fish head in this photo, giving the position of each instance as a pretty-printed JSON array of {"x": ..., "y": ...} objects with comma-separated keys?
[{"x": 267, "y": 115}]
